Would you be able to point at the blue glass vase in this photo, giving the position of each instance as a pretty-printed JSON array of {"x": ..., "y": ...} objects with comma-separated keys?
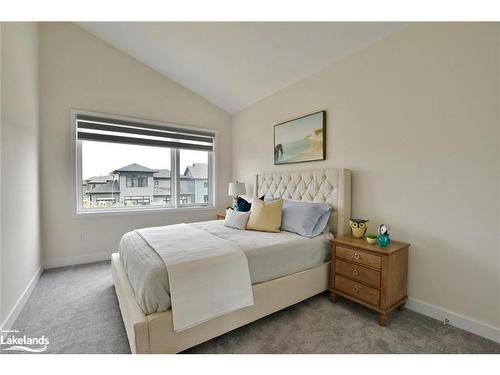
[{"x": 383, "y": 241}]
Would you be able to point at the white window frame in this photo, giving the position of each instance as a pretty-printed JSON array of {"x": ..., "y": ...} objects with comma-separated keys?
[{"x": 175, "y": 206}]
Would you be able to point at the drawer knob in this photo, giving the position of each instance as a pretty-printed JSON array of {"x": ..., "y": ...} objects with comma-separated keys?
[
  {"x": 356, "y": 256},
  {"x": 355, "y": 289},
  {"x": 355, "y": 272}
]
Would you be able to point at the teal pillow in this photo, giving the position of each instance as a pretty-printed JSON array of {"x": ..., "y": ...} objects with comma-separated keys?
[{"x": 244, "y": 206}]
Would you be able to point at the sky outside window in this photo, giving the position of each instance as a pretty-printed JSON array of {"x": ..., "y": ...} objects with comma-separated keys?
[{"x": 101, "y": 158}]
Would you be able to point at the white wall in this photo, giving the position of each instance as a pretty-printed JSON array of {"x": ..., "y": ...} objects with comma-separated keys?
[
  {"x": 1, "y": 288},
  {"x": 78, "y": 70},
  {"x": 20, "y": 219},
  {"x": 415, "y": 117},
  {"x": 498, "y": 148}
]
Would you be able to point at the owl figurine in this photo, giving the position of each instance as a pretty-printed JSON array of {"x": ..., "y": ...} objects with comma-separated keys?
[
  {"x": 358, "y": 227},
  {"x": 383, "y": 239}
]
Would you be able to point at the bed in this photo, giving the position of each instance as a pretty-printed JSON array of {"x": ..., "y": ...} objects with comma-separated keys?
[{"x": 284, "y": 268}]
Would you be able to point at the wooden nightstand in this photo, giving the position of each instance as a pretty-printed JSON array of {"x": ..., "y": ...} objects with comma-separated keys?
[
  {"x": 370, "y": 275},
  {"x": 220, "y": 216}
]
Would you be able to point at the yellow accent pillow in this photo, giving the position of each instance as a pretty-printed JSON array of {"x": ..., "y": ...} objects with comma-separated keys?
[{"x": 265, "y": 217}]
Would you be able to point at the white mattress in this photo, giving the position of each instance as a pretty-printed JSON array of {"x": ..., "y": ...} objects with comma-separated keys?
[{"x": 270, "y": 256}]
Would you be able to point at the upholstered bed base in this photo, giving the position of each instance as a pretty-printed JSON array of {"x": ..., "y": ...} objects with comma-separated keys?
[{"x": 154, "y": 333}]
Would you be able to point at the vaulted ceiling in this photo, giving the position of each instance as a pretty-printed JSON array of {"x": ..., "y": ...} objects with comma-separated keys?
[{"x": 235, "y": 64}]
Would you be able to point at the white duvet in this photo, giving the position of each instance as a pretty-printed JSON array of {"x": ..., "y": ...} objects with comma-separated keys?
[
  {"x": 208, "y": 275},
  {"x": 269, "y": 256}
]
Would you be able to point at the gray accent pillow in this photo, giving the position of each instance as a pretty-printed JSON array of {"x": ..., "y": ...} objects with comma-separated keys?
[
  {"x": 269, "y": 199},
  {"x": 308, "y": 219}
]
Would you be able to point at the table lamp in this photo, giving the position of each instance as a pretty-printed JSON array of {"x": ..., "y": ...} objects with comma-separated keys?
[{"x": 236, "y": 189}]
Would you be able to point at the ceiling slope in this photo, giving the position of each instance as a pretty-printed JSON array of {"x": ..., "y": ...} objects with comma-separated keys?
[{"x": 235, "y": 64}]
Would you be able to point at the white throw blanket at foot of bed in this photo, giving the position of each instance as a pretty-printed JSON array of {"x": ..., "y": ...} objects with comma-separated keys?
[{"x": 208, "y": 275}]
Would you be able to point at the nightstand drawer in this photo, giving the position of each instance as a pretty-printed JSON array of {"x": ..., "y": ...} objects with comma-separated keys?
[
  {"x": 358, "y": 256},
  {"x": 359, "y": 291},
  {"x": 358, "y": 272}
]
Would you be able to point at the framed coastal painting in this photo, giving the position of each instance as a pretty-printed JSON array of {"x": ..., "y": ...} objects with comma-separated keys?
[{"x": 301, "y": 139}]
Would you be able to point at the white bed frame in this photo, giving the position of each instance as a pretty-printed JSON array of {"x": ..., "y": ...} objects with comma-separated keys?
[{"x": 154, "y": 333}]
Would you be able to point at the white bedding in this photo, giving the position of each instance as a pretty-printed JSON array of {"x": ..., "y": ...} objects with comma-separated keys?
[
  {"x": 269, "y": 256},
  {"x": 208, "y": 275}
]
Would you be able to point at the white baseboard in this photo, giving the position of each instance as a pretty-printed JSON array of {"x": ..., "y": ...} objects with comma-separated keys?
[
  {"x": 73, "y": 261},
  {"x": 18, "y": 307},
  {"x": 456, "y": 320}
]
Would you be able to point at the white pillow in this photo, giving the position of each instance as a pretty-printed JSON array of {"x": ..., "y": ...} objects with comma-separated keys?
[{"x": 236, "y": 219}]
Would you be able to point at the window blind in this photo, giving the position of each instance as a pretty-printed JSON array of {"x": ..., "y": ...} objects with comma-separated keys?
[{"x": 94, "y": 128}]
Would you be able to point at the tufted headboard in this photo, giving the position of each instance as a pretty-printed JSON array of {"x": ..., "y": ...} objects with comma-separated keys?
[{"x": 331, "y": 186}]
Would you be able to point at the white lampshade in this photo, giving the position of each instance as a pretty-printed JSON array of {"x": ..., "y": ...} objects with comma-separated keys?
[{"x": 237, "y": 188}]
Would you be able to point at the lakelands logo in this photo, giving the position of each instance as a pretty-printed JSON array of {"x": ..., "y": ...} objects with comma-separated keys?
[{"x": 12, "y": 341}]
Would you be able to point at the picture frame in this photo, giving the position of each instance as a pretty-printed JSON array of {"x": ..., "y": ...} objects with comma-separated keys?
[{"x": 300, "y": 140}]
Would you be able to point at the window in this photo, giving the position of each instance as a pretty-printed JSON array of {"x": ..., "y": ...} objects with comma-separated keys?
[
  {"x": 137, "y": 181},
  {"x": 134, "y": 201},
  {"x": 126, "y": 164},
  {"x": 106, "y": 200}
]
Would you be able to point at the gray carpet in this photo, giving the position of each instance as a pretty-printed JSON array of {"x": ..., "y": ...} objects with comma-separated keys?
[{"x": 77, "y": 309}]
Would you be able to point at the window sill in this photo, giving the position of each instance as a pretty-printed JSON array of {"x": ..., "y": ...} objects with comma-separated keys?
[{"x": 143, "y": 211}]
